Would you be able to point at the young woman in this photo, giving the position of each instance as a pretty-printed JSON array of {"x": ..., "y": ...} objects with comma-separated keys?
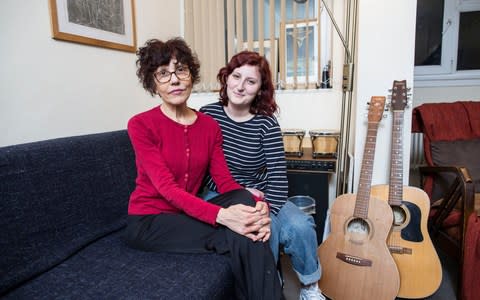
[
  {"x": 175, "y": 146},
  {"x": 255, "y": 155}
]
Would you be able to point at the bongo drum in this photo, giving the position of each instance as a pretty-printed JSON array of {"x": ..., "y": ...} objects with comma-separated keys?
[
  {"x": 324, "y": 142},
  {"x": 292, "y": 141}
]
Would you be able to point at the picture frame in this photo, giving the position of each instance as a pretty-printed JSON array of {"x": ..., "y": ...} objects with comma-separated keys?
[
  {"x": 108, "y": 24},
  {"x": 287, "y": 52},
  {"x": 267, "y": 50}
]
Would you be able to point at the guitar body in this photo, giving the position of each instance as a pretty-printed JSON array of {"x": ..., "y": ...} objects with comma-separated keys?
[
  {"x": 357, "y": 264},
  {"x": 416, "y": 258}
]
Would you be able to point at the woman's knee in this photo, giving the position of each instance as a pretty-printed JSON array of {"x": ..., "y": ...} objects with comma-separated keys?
[
  {"x": 299, "y": 227},
  {"x": 242, "y": 196},
  {"x": 291, "y": 216}
]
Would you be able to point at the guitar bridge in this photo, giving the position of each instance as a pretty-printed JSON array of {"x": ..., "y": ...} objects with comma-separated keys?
[
  {"x": 399, "y": 250},
  {"x": 354, "y": 260}
]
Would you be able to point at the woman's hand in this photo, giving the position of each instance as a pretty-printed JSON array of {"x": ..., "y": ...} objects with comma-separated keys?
[
  {"x": 265, "y": 231},
  {"x": 262, "y": 208},
  {"x": 252, "y": 222},
  {"x": 257, "y": 193}
]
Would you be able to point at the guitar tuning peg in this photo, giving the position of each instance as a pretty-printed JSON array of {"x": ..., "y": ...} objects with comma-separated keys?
[
  {"x": 409, "y": 89},
  {"x": 390, "y": 90},
  {"x": 384, "y": 116}
]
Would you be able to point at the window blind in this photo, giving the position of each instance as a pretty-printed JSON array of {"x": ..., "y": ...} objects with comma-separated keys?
[{"x": 286, "y": 32}]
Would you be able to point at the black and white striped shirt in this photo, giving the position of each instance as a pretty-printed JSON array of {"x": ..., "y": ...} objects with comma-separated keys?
[{"x": 254, "y": 153}]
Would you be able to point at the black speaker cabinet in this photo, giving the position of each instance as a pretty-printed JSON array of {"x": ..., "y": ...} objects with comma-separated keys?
[{"x": 315, "y": 185}]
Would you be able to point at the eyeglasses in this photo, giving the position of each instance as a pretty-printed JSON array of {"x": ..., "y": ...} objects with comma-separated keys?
[{"x": 164, "y": 76}]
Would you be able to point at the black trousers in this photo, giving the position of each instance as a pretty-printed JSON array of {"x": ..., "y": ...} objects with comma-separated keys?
[{"x": 252, "y": 263}]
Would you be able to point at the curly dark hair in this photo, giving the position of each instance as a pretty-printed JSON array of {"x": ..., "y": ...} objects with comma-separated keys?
[
  {"x": 157, "y": 53},
  {"x": 264, "y": 103}
]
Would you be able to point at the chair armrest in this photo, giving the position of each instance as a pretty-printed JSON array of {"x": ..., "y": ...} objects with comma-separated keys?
[{"x": 462, "y": 189}]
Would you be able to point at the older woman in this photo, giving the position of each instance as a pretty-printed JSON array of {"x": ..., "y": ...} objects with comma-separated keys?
[{"x": 175, "y": 146}]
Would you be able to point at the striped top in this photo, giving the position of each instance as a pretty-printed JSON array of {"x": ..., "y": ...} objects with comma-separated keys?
[{"x": 254, "y": 153}]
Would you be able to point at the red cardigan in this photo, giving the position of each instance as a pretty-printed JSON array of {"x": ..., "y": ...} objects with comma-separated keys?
[{"x": 172, "y": 160}]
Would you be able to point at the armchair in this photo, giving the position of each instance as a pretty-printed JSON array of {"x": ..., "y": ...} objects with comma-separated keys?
[{"x": 451, "y": 136}]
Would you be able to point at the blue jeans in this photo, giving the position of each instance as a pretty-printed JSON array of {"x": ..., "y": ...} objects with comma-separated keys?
[{"x": 295, "y": 230}]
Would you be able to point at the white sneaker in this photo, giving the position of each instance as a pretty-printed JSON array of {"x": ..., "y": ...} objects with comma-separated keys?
[{"x": 311, "y": 292}]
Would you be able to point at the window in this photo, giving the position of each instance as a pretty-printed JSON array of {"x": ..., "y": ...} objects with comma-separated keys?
[
  {"x": 447, "y": 46},
  {"x": 295, "y": 37}
]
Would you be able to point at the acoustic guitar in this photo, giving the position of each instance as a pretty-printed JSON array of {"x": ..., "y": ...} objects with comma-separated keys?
[
  {"x": 356, "y": 262},
  {"x": 409, "y": 242}
]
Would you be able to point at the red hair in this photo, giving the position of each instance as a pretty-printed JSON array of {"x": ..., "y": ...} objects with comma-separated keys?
[{"x": 264, "y": 103}]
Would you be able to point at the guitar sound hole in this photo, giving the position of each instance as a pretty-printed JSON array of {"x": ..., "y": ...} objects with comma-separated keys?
[
  {"x": 358, "y": 226},
  {"x": 399, "y": 215}
]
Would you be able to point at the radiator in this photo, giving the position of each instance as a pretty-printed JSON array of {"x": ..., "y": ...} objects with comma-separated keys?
[{"x": 417, "y": 157}]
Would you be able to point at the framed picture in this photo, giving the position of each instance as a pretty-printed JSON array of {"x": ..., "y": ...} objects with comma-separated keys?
[
  {"x": 267, "y": 53},
  {"x": 299, "y": 52},
  {"x": 109, "y": 24}
]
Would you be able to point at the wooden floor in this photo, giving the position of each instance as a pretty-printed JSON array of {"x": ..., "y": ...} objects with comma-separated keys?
[{"x": 447, "y": 290}]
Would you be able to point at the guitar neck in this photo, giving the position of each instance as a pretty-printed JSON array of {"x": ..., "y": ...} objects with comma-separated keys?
[
  {"x": 365, "y": 181},
  {"x": 399, "y": 102},
  {"x": 395, "y": 194}
]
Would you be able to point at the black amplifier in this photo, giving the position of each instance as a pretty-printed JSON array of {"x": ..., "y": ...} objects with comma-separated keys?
[
  {"x": 306, "y": 162},
  {"x": 309, "y": 176}
]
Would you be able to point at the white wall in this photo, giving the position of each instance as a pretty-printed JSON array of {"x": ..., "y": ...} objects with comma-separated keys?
[
  {"x": 445, "y": 94},
  {"x": 386, "y": 37},
  {"x": 51, "y": 88},
  {"x": 319, "y": 109}
]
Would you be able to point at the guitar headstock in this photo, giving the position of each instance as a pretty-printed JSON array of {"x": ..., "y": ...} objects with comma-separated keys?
[
  {"x": 399, "y": 95},
  {"x": 375, "y": 110}
]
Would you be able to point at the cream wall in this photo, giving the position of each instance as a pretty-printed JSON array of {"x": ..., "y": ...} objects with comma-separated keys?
[
  {"x": 445, "y": 94},
  {"x": 385, "y": 54},
  {"x": 52, "y": 88}
]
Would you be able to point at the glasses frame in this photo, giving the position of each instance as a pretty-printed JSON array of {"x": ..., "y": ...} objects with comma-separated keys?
[{"x": 170, "y": 75}]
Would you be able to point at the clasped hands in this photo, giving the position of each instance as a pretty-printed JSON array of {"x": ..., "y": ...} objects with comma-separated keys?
[{"x": 252, "y": 222}]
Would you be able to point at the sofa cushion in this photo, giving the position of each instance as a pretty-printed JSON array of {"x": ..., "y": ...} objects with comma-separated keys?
[
  {"x": 108, "y": 269},
  {"x": 462, "y": 153},
  {"x": 59, "y": 195},
  {"x": 473, "y": 111}
]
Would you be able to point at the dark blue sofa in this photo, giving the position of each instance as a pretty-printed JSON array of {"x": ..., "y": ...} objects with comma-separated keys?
[{"x": 63, "y": 206}]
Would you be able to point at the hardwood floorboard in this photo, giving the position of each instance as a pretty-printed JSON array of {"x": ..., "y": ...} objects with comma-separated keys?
[{"x": 446, "y": 291}]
